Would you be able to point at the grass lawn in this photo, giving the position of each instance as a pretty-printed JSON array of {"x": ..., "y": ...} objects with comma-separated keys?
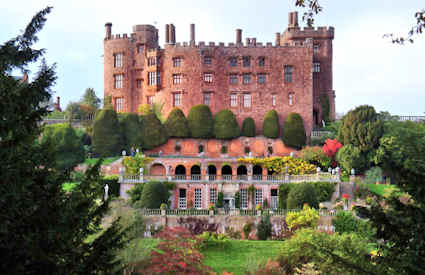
[
  {"x": 380, "y": 189},
  {"x": 241, "y": 255},
  {"x": 106, "y": 161}
]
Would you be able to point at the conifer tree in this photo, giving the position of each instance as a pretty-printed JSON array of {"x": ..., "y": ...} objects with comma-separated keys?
[
  {"x": 271, "y": 127},
  {"x": 176, "y": 124},
  {"x": 153, "y": 133},
  {"x": 107, "y": 139},
  {"x": 43, "y": 230},
  {"x": 225, "y": 125}
]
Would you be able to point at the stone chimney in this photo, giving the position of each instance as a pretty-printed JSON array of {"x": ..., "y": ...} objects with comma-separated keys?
[
  {"x": 108, "y": 30},
  {"x": 167, "y": 33},
  {"x": 293, "y": 20},
  {"x": 277, "y": 40},
  {"x": 238, "y": 36},
  {"x": 192, "y": 34}
]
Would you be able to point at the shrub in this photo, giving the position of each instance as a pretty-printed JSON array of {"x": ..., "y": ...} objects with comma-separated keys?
[
  {"x": 264, "y": 228},
  {"x": 153, "y": 195},
  {"x": 220, "y": 200},
  {"x": 307, "y": 218},
  {"x": 296, "y": 166},
  {"x": 294, "y": 131},
  {"x": 223, "y": 149},
  {"x": 324, "y": 190},
  {"x": 132, "y": 165},
  {"x": 135, "y": 193},
  {"x": 68, "y": 147},
  {"x": 237, "y": 199},
  {"x": 351, "y": 157},
  {"x": 248, "y": 127},
  {"x": 200, "y": 121},
  {"x": 345, "y": 222},
  {"x": 154, "y": 133},
  {"x": 373, "y": 175},
  {"x": 225, "y": 125},
  {"x": 107, "y": 139},
  {"x": 316, "y": 156},
  {"x": 325, "y": 105},
  {"x": 176, "y": 124},
  {"x": 213, "y": 240},
  {"x": 131, "y": 129},
  {"x": 300, "y": 194},
  {"x": 247, "y": 228},
  {"x": 283, "y": 194},
  {"x": 271, "y": 126}
]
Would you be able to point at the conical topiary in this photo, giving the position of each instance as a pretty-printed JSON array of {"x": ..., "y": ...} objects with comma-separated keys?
[
  {"x": 176, "y": 124},
  {"x": 248, "y": 127},
  {"x": 271, "y": 127},
  {"x": 153, "y": 133},
  {"x": 107, "y": 140},
  {"x": 225, "y": 125},
  {"x": 131, "y": 129},
  {"x": 200, "y": 121},
  {"x": 294, "y": 132}
]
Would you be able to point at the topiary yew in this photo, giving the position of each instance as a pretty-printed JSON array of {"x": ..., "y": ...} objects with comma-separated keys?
[
  {"x": 107, "y": 139},
  {"x": 248, "y": 127},
  {"x": 153, "y": 133},
  {"x": 271, "y": 128},
  {"x": 300, "y": 194},
  {"x": 225, "y": 125},
  {"x": 176, "y": 124},
  {"x": 131, "y": 129},
  {"x": 153, "y": 195},
  {"x": 200, "y": 121},
  {"x": 294, "y": 132}
]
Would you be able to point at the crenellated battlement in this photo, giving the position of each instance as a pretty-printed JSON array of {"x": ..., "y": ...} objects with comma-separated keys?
[
  {"x": 222, "y": 45},
  {"x": 306, "y": 32}
]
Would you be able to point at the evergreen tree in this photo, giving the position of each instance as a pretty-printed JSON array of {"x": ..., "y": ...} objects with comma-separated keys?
[
  {"x": 90, "y": 98},
  {"x": 153, "y": 195},
  {"x": 43, "y": 229},
  {"x": 177, "y": 125},
  {"x": 225, "y": 125},
  {"x": 131, "y": 129},
  {"x": 294, "y": 132},
  {"x": 153, "y": 132},
  {"x": 248, "y": 127},
  {"x": 200, "y": 121},
  {"x": 107, "y": 139},
  {"x": 68, "y": 147},
  {"x": 271, "y": 127}
]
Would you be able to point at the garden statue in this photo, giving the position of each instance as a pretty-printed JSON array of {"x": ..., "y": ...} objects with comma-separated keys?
[
  {"x": 352, "y": 172},
  {"x": 124, "y": 153},
  {"x": 318, "y": 169},
  {"x": 329, "y": 170},
  {"x": 106, "y": 192}
]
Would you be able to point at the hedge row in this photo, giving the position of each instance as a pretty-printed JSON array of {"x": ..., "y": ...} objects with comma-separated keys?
[
  {"x": 112, "y": 133},
  {"x": 294, "y": 195}
]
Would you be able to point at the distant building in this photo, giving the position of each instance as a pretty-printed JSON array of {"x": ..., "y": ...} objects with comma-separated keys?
[{"x": 250, "y": 78}]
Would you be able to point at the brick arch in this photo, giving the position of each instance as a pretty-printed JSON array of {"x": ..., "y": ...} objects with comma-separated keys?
[
  {"x": 180, "y": 169},
  {"x": 157, "y": 169}
]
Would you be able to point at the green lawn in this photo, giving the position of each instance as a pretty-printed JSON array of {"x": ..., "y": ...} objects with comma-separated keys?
[
  {"x": 379, "y": 189},
  {"x": 106, "y": 161},
  {"x": 239, "y": 256}
]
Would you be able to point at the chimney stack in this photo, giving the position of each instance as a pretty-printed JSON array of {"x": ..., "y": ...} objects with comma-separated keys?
[
  {"x": 192, "y": 34},
  {"x": 108, "y": 30},
  {"x": 293, "y": 20},
  {"x": 254, "y": 41},
  {"x": 247, "y": 41},
  {"x": 172, "y": 36},
  {"x": 277, "y": 40},
  {"x": 167, "y": 33},
  {"x": 238, "y": 36}
]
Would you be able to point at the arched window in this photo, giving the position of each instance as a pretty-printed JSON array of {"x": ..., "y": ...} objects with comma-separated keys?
[
  {"x": 242, "y": 172},
  {"x": 226, "y": 172},
  {"x": 212, "y": 172},
  {"x": 195, "y": 172},
  {"x": 257, "y": 172},
  {"x": 180, "y": 172}
]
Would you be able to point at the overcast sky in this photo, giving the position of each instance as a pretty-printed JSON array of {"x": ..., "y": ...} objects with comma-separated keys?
[{"x": 368, "y": 69}]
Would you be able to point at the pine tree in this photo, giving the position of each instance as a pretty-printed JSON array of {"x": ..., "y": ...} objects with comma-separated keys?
[{"x": 43, "y": 230}]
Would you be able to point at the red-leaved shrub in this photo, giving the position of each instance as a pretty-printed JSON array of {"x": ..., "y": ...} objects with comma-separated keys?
[{"x": 330, "y": 148}]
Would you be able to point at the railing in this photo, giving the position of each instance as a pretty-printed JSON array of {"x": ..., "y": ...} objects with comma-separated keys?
[
  {"x": 321, "y": 176},
  {"x": 319, "y": 134},
  {"x": 231, "y": 212},
  {"x": 410, "y": 118}
]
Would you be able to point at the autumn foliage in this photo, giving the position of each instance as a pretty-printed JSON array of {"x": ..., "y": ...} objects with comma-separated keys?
[{"x": 330, "y": 148}]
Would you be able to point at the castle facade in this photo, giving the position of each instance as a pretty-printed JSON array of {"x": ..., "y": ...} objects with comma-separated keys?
[{"x": 293, "y": 74}]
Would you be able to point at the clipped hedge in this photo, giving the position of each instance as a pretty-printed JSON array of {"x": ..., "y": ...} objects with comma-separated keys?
[
  {"x": 131, "y": 129},
  {"x": 271, "y": 126},
  {"x": 200, "y": 121},
  {"x": 294, "y": 132},
  {"x": 153, "y": 133},
  {"x": 248, "y": 127},
  {"x": 323, "y": 190},
  {"x": 176, "y": 124},
  {"x": 225, "y": 125},
  {"x": 153, "y": 195},
  {"x": 107, "y": 139},
  {"x": 283, "y": 194},
  {"x": 300, "y": 194}
]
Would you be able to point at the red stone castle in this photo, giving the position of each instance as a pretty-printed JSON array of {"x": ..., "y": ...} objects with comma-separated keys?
[{"x": 251, "y": 78}]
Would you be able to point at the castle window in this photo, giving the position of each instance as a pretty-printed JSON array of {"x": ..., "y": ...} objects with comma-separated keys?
[
  {"x": 151, "y": 61},
  {"x": 233, "y": 100},
  {"x": 246, "y": 78},
  {"x": 207, "y": 98},
  {"x": 246, "y": 61},
  {"x": 177, "y": 61},
  {"x": 258, "y": 197},
  {"x": 208, "y": 77},
  {"x": 140, "y": 48},
  {"x": 119, "y": 104},
  {"x": 207, "y": 60},
  {"x": 177, "y": 99},
  {"x": 316, "y": 48},
  {"x": 149, "y": 100},
  {"x": 261, "y": 78},
  {"x": 233, "y": 61},
  {"x": 233, "y": 79},
  {"x": 118, "y": 81},
  {"x": 247, "y": 100},
  {"x": 213, "y": 196},
  {"x": 316, "y": 67},
  {"x": 261, "y": 61},
  {"x": 118, "y": 60},
  {"x": 154, "y": 78},
  {"x": 244, "y": 198},
  {"x": 287, "y": 71},
  {"x": 274, "y": 99},
  {"x": 177, "y": 78},
  {"x": 291, "y": 98},
  {"x": 138, "y": 83}
]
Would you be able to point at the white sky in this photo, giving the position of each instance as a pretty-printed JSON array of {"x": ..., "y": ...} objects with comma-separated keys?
[{"x": 368, "y": 69}]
